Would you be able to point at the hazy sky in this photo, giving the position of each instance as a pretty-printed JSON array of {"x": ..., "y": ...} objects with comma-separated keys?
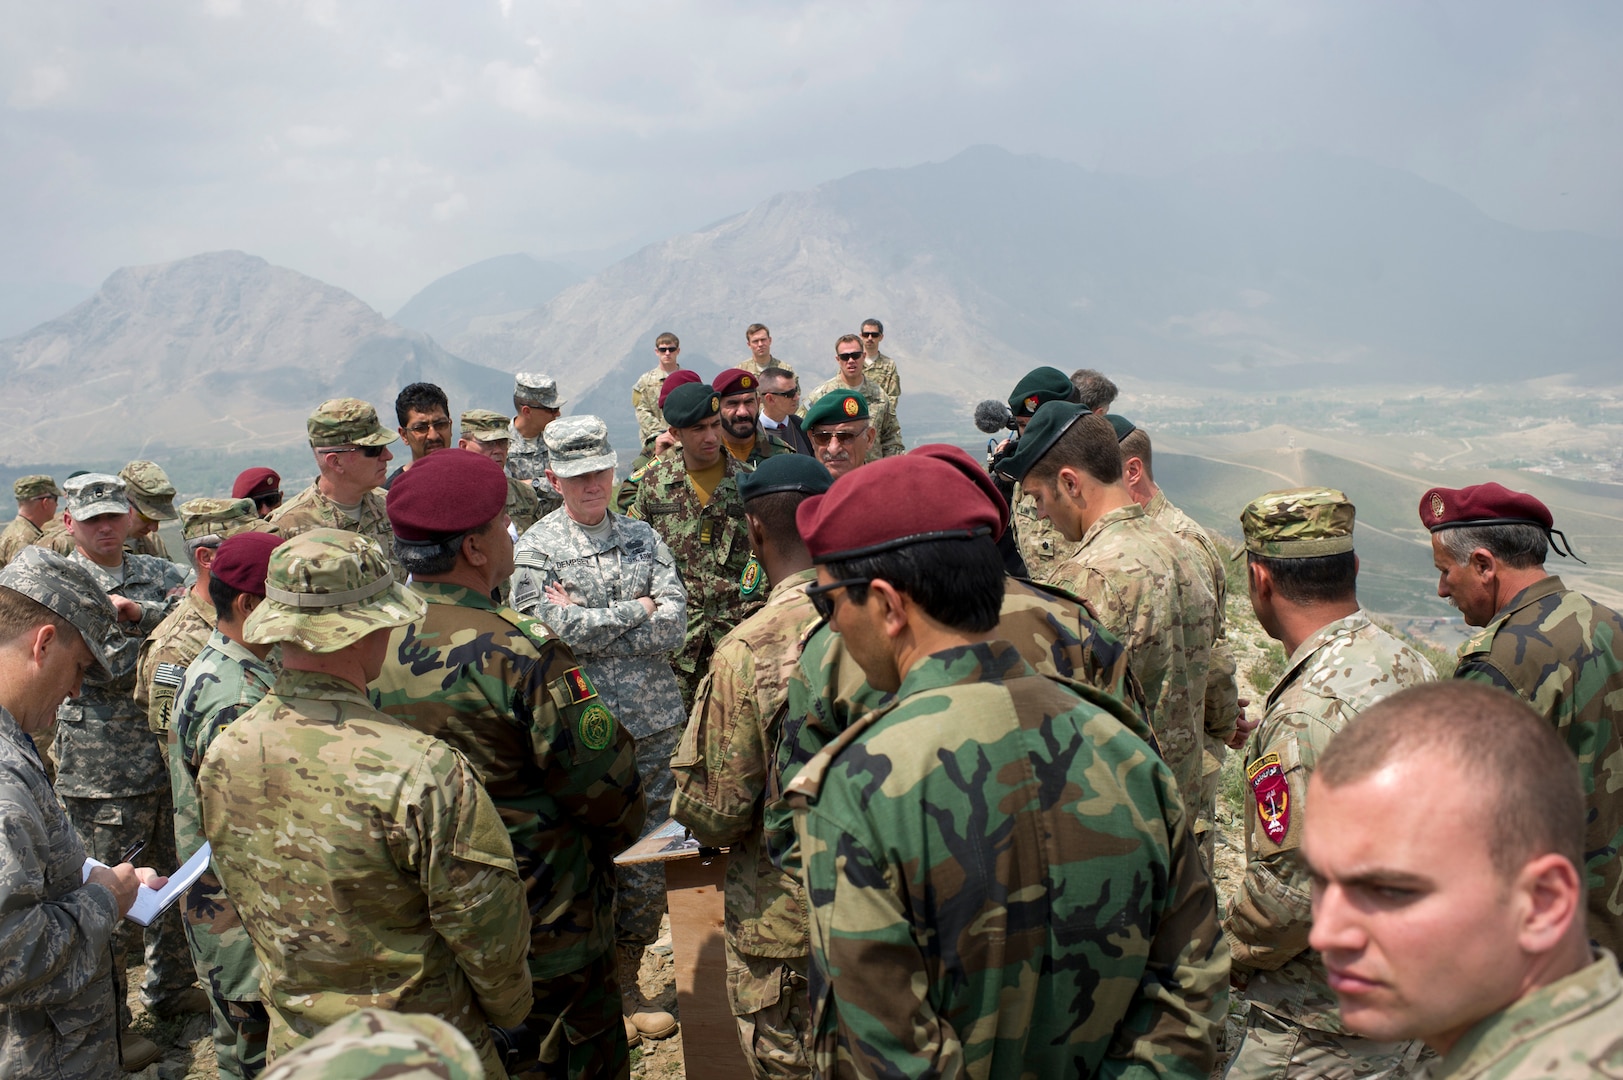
[{"x": 377, "y": 145}]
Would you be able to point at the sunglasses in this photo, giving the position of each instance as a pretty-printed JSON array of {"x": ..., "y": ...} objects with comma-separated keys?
[
  {"x": 849, "y": 355},
  {"x": 823, "y": 602},
  {"x": 369, "y": 451},
  {"x": 872, "y": 333},
  {"x": 268, "y": 502},
  {"x": 782, "y": 393},
  {"x": 667, "y": 348},
  {"x": 823, "y": 437},
  {"x": 425, "y": 426}
]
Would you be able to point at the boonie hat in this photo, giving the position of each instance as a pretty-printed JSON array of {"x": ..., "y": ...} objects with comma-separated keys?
[{"x": 327, "y": 589}]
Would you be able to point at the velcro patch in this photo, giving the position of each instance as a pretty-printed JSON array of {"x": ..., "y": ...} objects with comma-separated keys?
[
  {"x": 1273, "y": 794},
  {"x": 169, "y": 675},
  {"x": 596, "y": 727},
  {"x": 580, "y": 687}
]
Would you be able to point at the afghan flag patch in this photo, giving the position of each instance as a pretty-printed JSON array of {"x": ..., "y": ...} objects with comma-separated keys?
[
  {"x": 579, "y": 686},
  {"x": 1273, "y": 795}
]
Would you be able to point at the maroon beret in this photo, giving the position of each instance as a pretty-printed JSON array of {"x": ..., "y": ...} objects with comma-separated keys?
[
  {"x": 735, "y": 381},
  {"x": 1481, "y": 504},
  {"x": 676, "y": 378},
  {"x": 252, "y": 483},
  {"x": 241, "y": 561},
  {"x": 447, "y": 493},
  {"x": 893, "y": 502},
  {"x": 960, "y": 459}
]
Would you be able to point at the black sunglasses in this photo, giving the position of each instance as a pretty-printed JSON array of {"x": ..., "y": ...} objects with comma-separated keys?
[
  {"x": 782, "y": 393},
  {"x": 369, "y": 451},
  {"x": 849, "y": 355},
  {"x": 666, "y": 348},
  {"x": 268, "y": 502},
  {"x": 872, "y": 333},
  {"x": 823, "y": 602}
]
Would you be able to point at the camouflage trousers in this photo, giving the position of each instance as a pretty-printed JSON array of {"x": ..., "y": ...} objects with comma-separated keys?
[
  {"x": 639, "y": 895},
  {"x": 1274, "y": 1048},
  {"x": 241, "y": 1033},
  {"x": 771, "y": 1001},
  {"x": 108, "y": 827},
  {"x": 1211, "y": 779},
  {"x": 578, "y": 1017}
]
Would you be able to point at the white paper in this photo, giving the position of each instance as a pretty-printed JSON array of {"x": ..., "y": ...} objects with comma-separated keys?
[{"x": 150, "y": 903}]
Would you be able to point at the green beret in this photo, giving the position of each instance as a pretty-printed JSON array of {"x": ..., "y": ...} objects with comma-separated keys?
[
  {"x": 1124, "y": 427},
  {"x": 1298, "y": 523},
  {"x": 1051, "y": 421},
  {"x": 835, "y": 408},
  {"x": 785, "y": 472},
  {"x": 1040, "y": 386},
  {"x": 691, "y": 404}
]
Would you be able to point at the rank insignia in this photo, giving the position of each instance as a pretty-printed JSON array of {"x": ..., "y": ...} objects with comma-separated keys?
[
  {"x": 1436, "y": 506},
  {"x": 851, "y": 407},
  {"x": 596, "y": 727},
  {"x": 579, "y": 686},
  {"x": 1273, "y": 795}
]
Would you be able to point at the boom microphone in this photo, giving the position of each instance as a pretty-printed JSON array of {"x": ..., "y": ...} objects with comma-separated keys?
[{"x": 993, "y": 416}]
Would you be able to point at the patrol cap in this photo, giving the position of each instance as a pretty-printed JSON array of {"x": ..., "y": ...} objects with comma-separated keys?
[
  {"x": 147, "y": 487},
  {"x": 536, "y": 390},
  {"x": 347, "y": 421},
  {"x": 327, "y": 589},
  {"x": 960, "y": 459},
  {"x": 242, "y": 561},
  {"x": 485, "y": 425},
  {"x": 446, "y": 494},
  {"x": 1298, "y": 523},
  {"x": 785, "y": 472},
  {"x": 202, "y": 519},
  {"x": 68, "y": 590},
  {"x": 1051, "y": 420},
  {"x": 680, "y": 377},
  {"x": 1039, "y": 386},
  {"x": 256, "y": 483},
  {"x": 378, "y": 1044},
  {"x": 577, "y": 445},
  {"x": 735, "y": 381},
  {"x": 877, "y": 508},
  {"x": 34, "y": 487},
  {"x": 1122, "y": 426},
  {"x": 93, "y": 494},
  {"x": 1489, "y": 504},
  {"x": 691, "y": 404},
  {"x": 835, "y": 408}
]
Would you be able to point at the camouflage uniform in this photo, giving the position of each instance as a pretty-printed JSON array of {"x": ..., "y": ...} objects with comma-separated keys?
[
  {"x": 881, "y": 414},
  {"x": 882, "y": 372},
  {"x": 1336, "y": 673},
  {"x": 523, "y": 505},
  {"x": 1562, "y": 653},
  {"x": 511, "y": 697},
  {"x": 1572, "y": 1027},
  {"x": 22, "y": 532},
  {"x": 765, "y": 445},
  {"x": 645, "y": 402},
  {"x": 221, "y": 683},
  {"x": 1143, "y": 586},
  {"x": 710, "y": 544},
  {"x": 750, "y": 364},
  {"x": 625, "y": 651},
  {"x": 625, "y": 496},
  {"x": 164, "y": 656},
  {"x": 935, "y": 961},
  {"x": 721, "y": 779},
  {"x": 374, "y": 1044},
  {"x": 527, "y": 461},
  {"x": 312, "y": 509},
  {"x": 1043, "y": 547},
  {"x": 153, "y": 497}
]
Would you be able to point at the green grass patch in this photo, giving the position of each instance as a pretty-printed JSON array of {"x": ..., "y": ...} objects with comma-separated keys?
[{"x": 1265, "y": 671}]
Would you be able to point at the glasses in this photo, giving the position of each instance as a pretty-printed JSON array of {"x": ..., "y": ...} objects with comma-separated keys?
[
  {"x": 667, "y": 348},
  {"x": 849, "y": 355},
  {"x": 369, "y": 451},
  {"x": 824, "y": 436},
  {"x": 268, "y": 502},
  {"x": 823, "y": 602},
  {"x": 423, "y": 427},
  {"x": 872, "y": 333},
  {"x": 790, "y": 394}
]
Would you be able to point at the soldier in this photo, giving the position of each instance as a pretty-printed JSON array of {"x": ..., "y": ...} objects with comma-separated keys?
[
  {"x": 1094, "y": 392},
  {"x": 262, "y": 485},
  {"x": 1447, "y": 847},
  {"x": 229, "y": 676},
  {"x": 966, "y": 841},
  {"x": 425, "y": 423},
  {"x": 608, "y": 586},
  {"x": 741, "y": 431},
  {"x": 759, "y": 339},
  {"x": 180, "y": 637},
  {"x": 110, "y": 771},
  {"x": 376, "y": 1045},
  {"x": 877, "y": 366},
  {"x": 485, "y": 432},
  {"x": 1042, "y": 548},
  {"x": 662, "y": 445},
  {"x": 691, "y": 500},
  {"x": 535, "y": 405},
  {"x": 1136, "y": 578},
  {"x": 58, "y": 1014},
  {"x": 645, "y": 392},
  {"x": 780, "y": 398},
  {"x": 722, "y": 768},
  {"x": 850, "y": 378},
  {"x": 36, "y": 519},
  {"x": 841, "y": 432},
  {"x": 1556, "y": 649},
  {"x": 511, "y": 697},
  {"x": 1303, "y": 580},
  {"x": 352, "y": 454},
  {"x": 419, "y": 908},
  {"x": 152, "y": 500}
]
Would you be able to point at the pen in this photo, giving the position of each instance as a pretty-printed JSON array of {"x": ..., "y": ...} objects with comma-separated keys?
[{"x": 135, "y": 849}]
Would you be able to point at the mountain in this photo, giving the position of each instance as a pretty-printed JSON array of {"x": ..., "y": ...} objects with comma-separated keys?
[
  {"x": 28, "y": 303},
  {"x": 508, "y": 283},
  {"x": 221, "y": 351}
]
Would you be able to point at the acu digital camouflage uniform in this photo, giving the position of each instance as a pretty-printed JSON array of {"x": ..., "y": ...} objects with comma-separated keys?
[
  {"x": 1562, "y": 653},
  {"x": 1572, "y": 1027},
  {"x": 221, "y": 683},
  {"x": 527, "y": 462},
  {"x": 881, "y": 414},
  {"x": 722, "y": 769},
  {"x": 512, "y": 698},
  {"x": 523, "y": 504},
  {"x": 1033, "y": 957},
  {"x": 710, "y": 544},
  {"x": 376, "y": 1045}
]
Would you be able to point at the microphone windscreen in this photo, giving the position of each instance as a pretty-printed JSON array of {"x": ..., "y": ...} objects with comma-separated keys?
[{"x": 993, "y": 416}]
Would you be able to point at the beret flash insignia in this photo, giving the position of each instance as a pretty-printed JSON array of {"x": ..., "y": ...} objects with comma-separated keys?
[
  {"x": 1031, "y": 403},
  {"x": 746, "y": 382},
  {"x": 1436, "y": 505},
  {"x": 851, "y": 407}
]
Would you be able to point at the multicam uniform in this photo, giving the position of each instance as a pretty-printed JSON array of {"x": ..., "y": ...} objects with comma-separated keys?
[
  {"x": 374, "y": 1044},
  {"x": 505, "y": 692},
  {"x": 164, "y": 656},
  {"x": 221, "y": 683},
  {"x": 22, "y": 532},
  {"x": 1336, "y": 673},
  {"x": 523, "y": 505},
  {"x": 1562, "y": 653},
  {"x": 881, "y": 414},
  {"x": 721, "y": 771},
  {"x": 527, "y": 460},
  {"x": 645, "y": 402},
  {"x": 312, "y": 509},
  {"x": 965, "y": 849},
  {"x": 1043, "y": 547},
  {"x": 882, "y": 371}
]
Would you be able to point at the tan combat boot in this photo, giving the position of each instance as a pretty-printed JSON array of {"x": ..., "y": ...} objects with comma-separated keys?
[
  {"x": 640, "y": 1016},
  {"x": 137, "y": 1051}
]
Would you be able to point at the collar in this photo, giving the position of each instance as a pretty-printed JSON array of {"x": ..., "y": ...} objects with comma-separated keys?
[
  {"x": 1344, "y": 627},
  {"x": 796, "y": 582},
  {"x": 12, "y": 732},
  {"x": 1535, "y": 592},
  {"x": 203, "y": 611},
  {"x": 318, "y": 685},
  {"x": 439, "y": 592},
  {"x": 1585, "y": 991},
  {"x": 985, "y": 661},
  {"x": 238, "y": 653},
  {"x": 1122, "y": 513}
]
